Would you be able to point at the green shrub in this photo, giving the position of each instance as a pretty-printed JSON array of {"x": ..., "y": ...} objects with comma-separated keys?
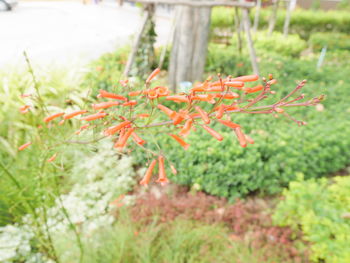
[
  {"x": 281, "y": 149},
  {"x": 321, "y": 209},
  {"x": 292, "y": 46},
  {"x": 333, "y": 41},
  {"x": 303, "y": 22}
]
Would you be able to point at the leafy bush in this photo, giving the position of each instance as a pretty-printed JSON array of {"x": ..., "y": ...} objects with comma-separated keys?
[
  {"x": 303, "y": 22},
  {"x": 333, "y": 41},
  {"x": 282, "y": 149},
  {"x": 292, "y": 46},
  {"x": 321, "y": 209}
]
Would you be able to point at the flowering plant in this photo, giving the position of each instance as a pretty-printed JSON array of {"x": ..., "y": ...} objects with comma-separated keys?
[{"x": 131, "y": 114}]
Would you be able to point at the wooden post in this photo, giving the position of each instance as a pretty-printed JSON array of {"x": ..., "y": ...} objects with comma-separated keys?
[
  {"x": 288, "y": 16},
  {"x": 238, "y": 31},
  {"x": 136, "y": 44},
  {"x": 273, "y": 17},
  {"x": 257, "y": 16},
  {"x": 188, "y": 54},
  {"x": 246, "y": 24}
]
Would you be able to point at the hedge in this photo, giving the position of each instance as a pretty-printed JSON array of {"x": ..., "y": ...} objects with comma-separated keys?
[{"x": 303, "y": 22}]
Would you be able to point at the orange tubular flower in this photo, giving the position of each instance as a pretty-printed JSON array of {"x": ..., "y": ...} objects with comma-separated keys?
[
  {"x": 73, "y": 114},
  {"x": 220, "y": 111},
  {"x": 180, "y": 141},
  {"x": 254, "y": 89},
  {"x": 84, "y": 127},
  {"x": 173, "y": 170},
  {"x": 52, "y": 158},
  {"x": 135, "y": 93},
  {"x": 105, "y": 105},
  {"x": 112, "y": 130},
  {"x": 213, "y": 133},
  {"x": 22, "y": 147},
  {"x": 130, "y": 103},
  {"x": 178, "y": 98},
  {"x": 148, "y": 173},
  {"x": 203, "y": 114},
  {"x": 227, "y": 96},
  {"x": 95, "y": 116},
  {"x": 241, "y": 137},
  {"x": 162, "y": 175},
  {"x": 247, "y": 78},
  {"x": 167, "y": 111},
  {"x": 106, "y": 94},
  {"x": 234, "y": 84},
  {"x": 152, "y": 75},
  {"x": 162, "y": 91},
  {"x": 179, "y": 117},
  {"x": 124, "y": 139},
  {"x": 249, "y": 139},
  {"x": 229, "y": 124},
  {"x": 205, "y": 97},
  {"x": 61, "y": 122},
  {"x": 142, "y": 115},
  {"x": 24, "y": 109},
  {"x": 187, "y": 128},
  {"x": 137, "y": 139},
  {"x": 152, "y": 94},
  {"x": 54, "y": 116}
]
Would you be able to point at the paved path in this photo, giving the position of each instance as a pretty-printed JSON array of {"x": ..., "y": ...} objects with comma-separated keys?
[{"x": 68, "y": 33}]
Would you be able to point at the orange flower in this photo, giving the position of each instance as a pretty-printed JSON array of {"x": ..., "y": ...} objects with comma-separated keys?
[
  {"x": 234, "y": 84},
  {"x": 54, "y": 116},
  {"x": 247, "y": 78},
  {"x": 52, "y": 158},
  {"x": 203, "y": 114},
  {"x": 73, "y": 114},
  {"x": 227, "y": 96},
  {"x": 187, "y": 128},
  {"x": 84, "y": 127},
  {"x": 25, "y": 95},
  {"x": 137, "y": 139},
  {"x": 229, "y": 124},
  {"x": 240, "y": 136},
  {"x": 220, "y": 111},
  {"x": 148, "y": 173},
  {"x": 179, "y": 117},
  {"x": 213, "y": 133},
  {"x": 112, "y": 130},
  {"x": 173, "y": 170},
  {"x": 162, "y": 175},
  {"x": 178, "y": 98},
  {"x": 205, "y": 97},
  {"x": 106, "y": 94},
  {"x": 254, "y": 89},
  {"x": 95, "y": 116},
  {"x": 249, "y": 139},
  {"x": 22, "y": 147},
  {"x": 152, "y": 75},
  {"x": 162, "y": 91},
  {"x": 130, "y": 103},
  {"x": 124, "y": 83},
  {"x": 152, "y": 94},
  {"x": 124, "y": 139},
  {"x": 61, "y": 122},
  {"x": 167, "y": 111},
  {"x": 142, "y": 115},
  {"x": 105, "y": 105},
  {"x": 135, "y": 93},
  {"x": 180, "y": 141},
  {"x": 24, "y": 109}
]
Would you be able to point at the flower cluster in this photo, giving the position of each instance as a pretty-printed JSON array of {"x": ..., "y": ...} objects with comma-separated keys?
[{"x": 130, "y": 113}]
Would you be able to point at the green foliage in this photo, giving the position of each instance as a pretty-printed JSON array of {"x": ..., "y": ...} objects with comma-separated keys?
[
  {"x": 292, "y": 45},
  {"x": 105, "y": 72},
  {"x": 303, "y": 22},
  {"x": 281, "y": 149},
  {"x": 321, "y": 209},
  {"x": 333, "y": 41}
]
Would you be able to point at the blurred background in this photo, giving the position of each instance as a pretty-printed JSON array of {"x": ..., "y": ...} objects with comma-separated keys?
[{"x": 283, "y": 199}]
